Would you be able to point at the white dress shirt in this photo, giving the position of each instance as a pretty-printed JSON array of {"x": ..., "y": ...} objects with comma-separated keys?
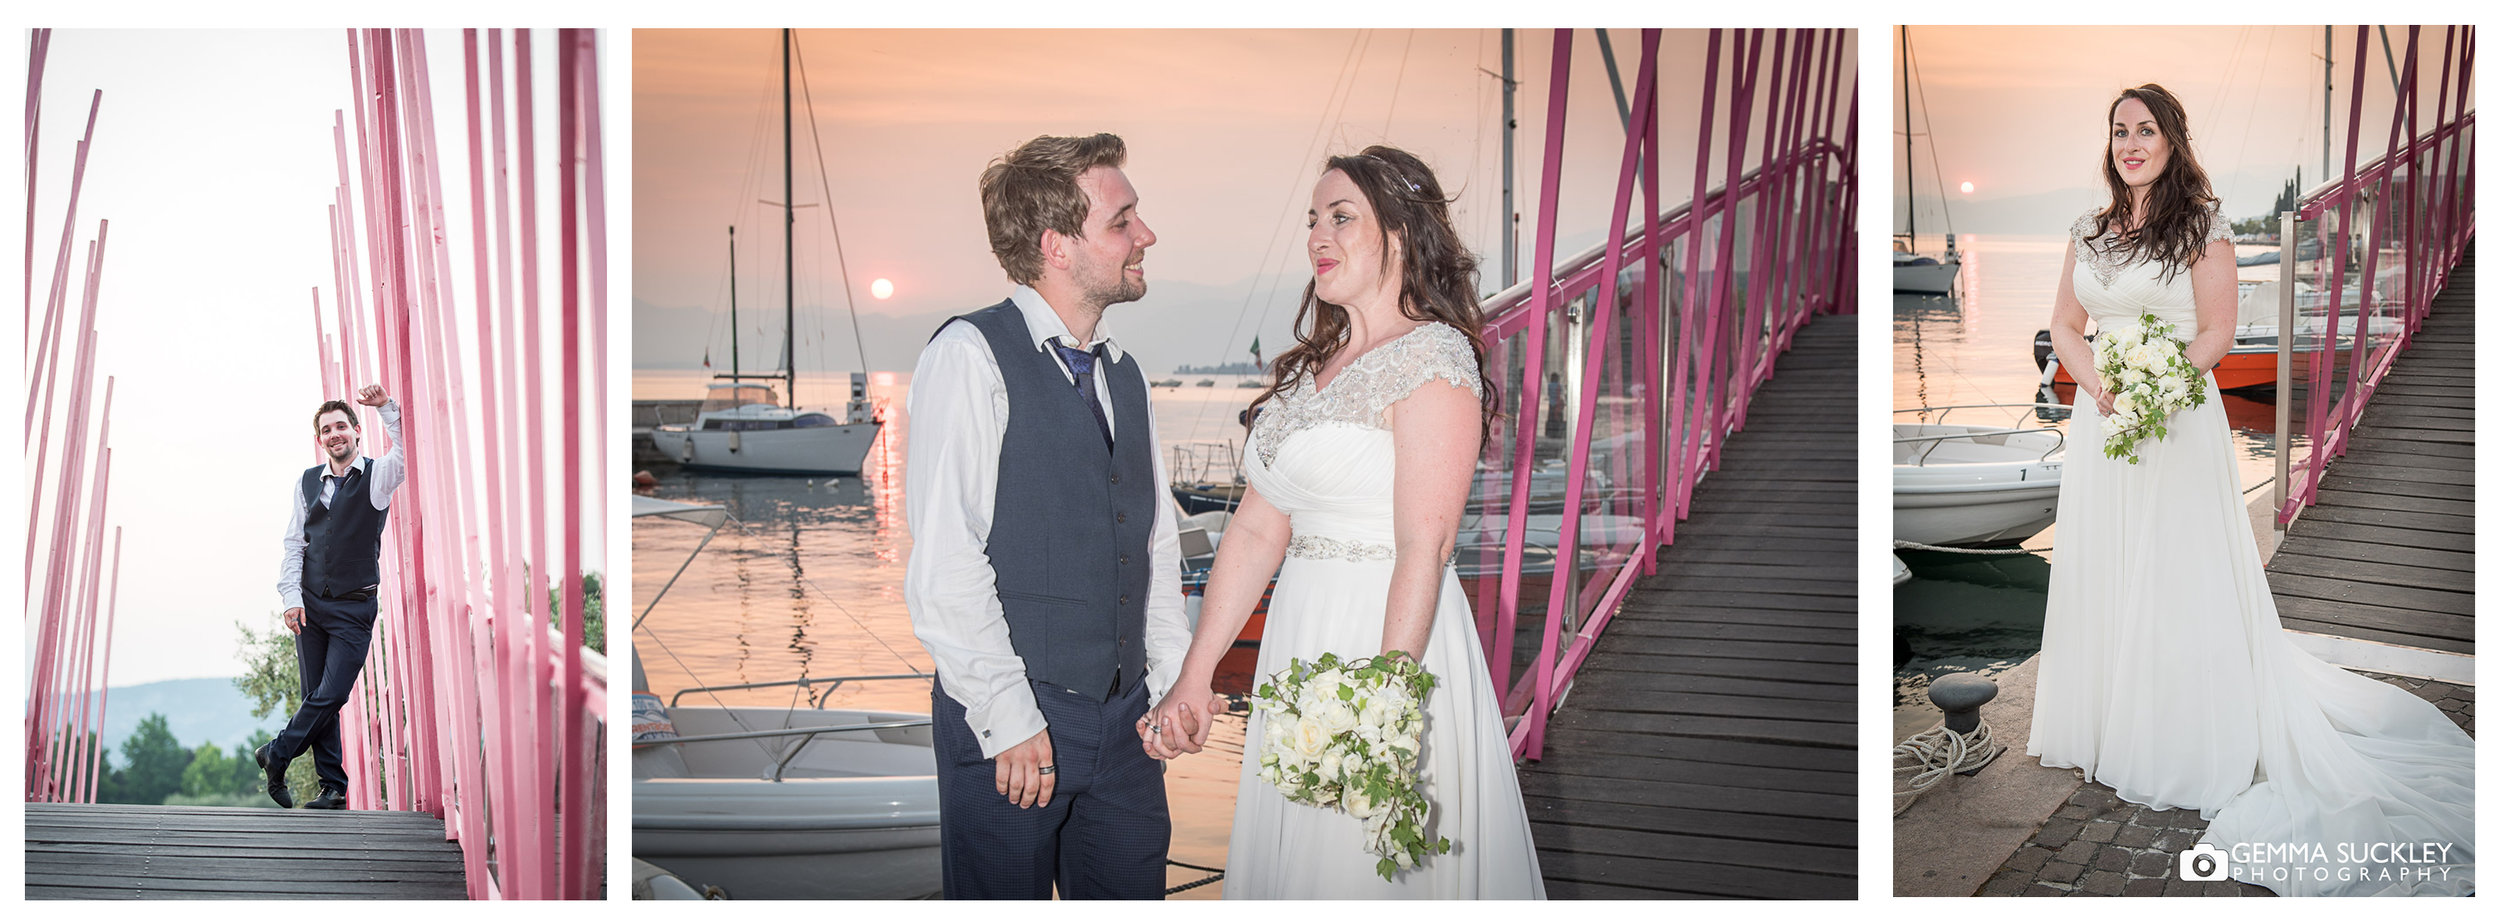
[
  {"x": 383, "y": 477},
  {"x": 958, "y": 407}
]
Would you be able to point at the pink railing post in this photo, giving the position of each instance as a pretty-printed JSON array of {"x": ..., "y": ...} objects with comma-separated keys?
[{"x": 1523, "y": 451}]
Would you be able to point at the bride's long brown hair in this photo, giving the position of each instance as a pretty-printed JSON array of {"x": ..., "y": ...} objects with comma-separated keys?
[
  {"x": 2177, "y": 209},
  {"x": 1438, "y": 272}
]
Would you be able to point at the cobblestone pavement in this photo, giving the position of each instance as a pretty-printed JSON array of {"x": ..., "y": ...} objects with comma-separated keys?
[{"x": 2099, "y": 845}]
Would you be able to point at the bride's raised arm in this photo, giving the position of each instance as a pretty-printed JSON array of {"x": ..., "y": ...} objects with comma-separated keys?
[{"x": 1438, "y": 431}]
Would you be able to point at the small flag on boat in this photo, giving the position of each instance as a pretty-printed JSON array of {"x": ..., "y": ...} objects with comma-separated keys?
[
  {"x": 707, "y": 356},
  {"x": 1254, "y": 354}
]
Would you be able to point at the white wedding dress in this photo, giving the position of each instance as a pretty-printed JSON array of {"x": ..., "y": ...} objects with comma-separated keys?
[
  {"x": 1322, "y": 457},
  {"x": 2166, "y": 674}
]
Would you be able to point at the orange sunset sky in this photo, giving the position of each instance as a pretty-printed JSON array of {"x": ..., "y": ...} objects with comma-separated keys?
[
  {"x": 2018, "y": 112},
  {"x": 1225, "y": 129}
]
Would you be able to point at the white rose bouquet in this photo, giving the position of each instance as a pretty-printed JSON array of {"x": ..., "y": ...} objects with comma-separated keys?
[
  {"x": 1345, "y": 734},
  {"x": 2146, "y": 371}
]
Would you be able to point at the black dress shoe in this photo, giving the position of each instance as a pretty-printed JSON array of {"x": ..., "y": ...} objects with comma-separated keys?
[
  {"x": 275, "y": 770},
  {"x": 330, "y": 799}
]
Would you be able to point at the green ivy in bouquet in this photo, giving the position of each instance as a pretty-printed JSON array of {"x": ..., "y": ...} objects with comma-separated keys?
[
  {"x": 1346, "y": 734},
  {"x": 2146, "y": 371}
]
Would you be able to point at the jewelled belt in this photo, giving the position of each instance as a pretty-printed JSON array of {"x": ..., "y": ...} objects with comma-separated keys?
[{"x": 1316, "y": 547}]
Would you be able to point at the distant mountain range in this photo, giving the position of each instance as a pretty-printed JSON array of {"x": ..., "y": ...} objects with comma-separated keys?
[{"x": 196, "y": 710}]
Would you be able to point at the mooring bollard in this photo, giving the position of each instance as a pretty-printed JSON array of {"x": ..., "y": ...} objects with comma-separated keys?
[{"x": 1960, "y": 696}]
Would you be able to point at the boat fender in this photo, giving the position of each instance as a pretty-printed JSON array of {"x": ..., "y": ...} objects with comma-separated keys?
[{"x": 733, "y": 441}]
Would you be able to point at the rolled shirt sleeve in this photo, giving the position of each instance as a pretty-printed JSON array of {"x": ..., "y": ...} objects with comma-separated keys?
[
  {"x": 390, "y": 470},
  {"x": 958, "y": 406},
  {"x": 1167, "y": 621},
  {"x": 291, "y": 547}
]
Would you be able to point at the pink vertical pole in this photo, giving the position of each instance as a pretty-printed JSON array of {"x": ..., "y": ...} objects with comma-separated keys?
[
  {"x": 1654, "y": 282},
  {"x": 1844, "y": 258},
  {"x": 38, "y": 41},
  {"x": 1523, "y": 450},
  {"x": 1601, "y": 328},
  {"x": 2321, "y": 392},
  {"x": 82, "y": 619},
  {"x": 511, "y": 595},
  {"x": 442, "y": 392},
  {"x": 82, "y": 672},
  {"x": 1752, "y": 307},
  {"x": 539, "y": 875},
  {"x": 104, "y": 680},
  {"x": 1682, "y": 426},
  {"x": 1531, "y": 385},
  {"x": 575, "y": 811},
  {"x": 1721, "y": 314},
  {"x": 65, "y": 502},
  {"x": 489, "y": 616},
  {"x": 69, "y": 229}
]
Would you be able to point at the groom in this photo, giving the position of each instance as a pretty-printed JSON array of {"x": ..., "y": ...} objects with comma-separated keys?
[
  {"x": 327, "y": 579},
  {"x": 1045, "y": 568}
]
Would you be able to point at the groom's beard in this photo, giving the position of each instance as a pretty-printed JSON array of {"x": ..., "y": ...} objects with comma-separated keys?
[{"x": 342, "y": 451}]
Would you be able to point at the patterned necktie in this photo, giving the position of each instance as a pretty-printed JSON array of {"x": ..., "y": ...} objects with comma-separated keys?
[{"x": 1081, "y": 363}]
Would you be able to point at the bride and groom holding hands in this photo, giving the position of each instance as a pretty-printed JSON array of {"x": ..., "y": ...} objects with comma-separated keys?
[{"x": 1044, "y": 577}]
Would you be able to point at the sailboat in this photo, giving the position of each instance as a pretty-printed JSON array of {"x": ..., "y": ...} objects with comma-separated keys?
[
  {"x": 747, "y": 428},
  {"x": 1911, "y": 272}
]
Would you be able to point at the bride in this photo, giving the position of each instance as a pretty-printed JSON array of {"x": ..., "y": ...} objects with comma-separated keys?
[
  {"x": 2164, "y": 671},
  {"x": 1359, "y": 467}
]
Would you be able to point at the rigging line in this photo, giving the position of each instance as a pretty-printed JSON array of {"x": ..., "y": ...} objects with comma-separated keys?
[
  {"x": 825, "y": 183},
  {"x": 747, "y": 191},
  {"x": 2247, "y": 125},
  {"x": 1397, "y": 84},
  {"x": 1937, "y": 166},
  {"x": 1340, "y": 85}
]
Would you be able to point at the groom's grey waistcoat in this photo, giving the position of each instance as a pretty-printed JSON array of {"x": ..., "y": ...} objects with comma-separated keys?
[
  {"x": 1071, "y": 521},
  {"x": 342, "y": 540}
]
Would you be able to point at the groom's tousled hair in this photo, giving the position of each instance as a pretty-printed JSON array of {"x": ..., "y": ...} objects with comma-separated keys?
[
  {"x": 1033, "y": 188},
  {"x": 340, "y": 405}
]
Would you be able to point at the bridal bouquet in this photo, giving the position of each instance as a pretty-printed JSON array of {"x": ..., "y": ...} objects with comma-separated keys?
[
  {"x": 1345, "y": 734},
  {"x": 2149, "y": 378}
]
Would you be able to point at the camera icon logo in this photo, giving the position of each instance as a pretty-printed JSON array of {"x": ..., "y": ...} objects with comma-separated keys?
[{"x": 2204, "y": 862}]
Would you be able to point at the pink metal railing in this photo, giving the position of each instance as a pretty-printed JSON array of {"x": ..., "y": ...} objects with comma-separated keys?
[
  {"x": 1654, "y": 367},
  {"x": 478, "y": 704},
  {"x": 2413, "y": 207},
  {"x": 72, "y": 595}
]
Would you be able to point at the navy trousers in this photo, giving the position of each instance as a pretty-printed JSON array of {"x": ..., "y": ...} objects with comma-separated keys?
[
  {"x": 329, "y": 651},
  {"x": 1106, "y": 832}
]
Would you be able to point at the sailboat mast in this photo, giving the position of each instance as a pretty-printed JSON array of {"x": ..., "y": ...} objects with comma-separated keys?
[
  {"x": 1909, "y": 142},
  {"x": 789, "y": 250},
  {"x": 733, "y": 302}
]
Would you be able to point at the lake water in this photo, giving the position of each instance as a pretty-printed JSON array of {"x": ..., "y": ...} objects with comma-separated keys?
[
  {"x": 812, "y": 585},
  {"x": 1969, "y": 613}
]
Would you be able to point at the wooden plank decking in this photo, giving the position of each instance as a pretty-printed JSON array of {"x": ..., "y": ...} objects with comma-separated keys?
[
  {"x": 2387, "y": 552},
  {"x": 125, "y": 852},
  {"x": 1708, "y": 747}
]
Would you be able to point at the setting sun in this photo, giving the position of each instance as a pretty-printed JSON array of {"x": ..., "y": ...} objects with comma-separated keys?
[
  {"x": 884, "y": 289},
  {"x": 1966, "y": 187}
]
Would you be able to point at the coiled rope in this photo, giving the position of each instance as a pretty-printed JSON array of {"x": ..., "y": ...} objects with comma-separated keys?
[{"x": 1934, "y": 754}]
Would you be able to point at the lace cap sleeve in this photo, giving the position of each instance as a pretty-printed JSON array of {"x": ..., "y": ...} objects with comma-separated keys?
[
  {"x": 2217, "y": 227},
  {"x": 1434, "y": 351}
]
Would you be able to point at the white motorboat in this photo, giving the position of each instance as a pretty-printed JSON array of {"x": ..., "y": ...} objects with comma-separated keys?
[
  {"x": 1917, "y": 274},
  {"x": 744, "y": 427},
  {"x": 1900, "y": 570},
  {"x": 782, "y": 803},
  {"x": 1973, "y": 485}
]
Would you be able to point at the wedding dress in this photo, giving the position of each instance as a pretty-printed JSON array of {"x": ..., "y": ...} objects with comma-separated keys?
[
  {"x": 1323, "y": 457},
  {"x": 2166, "y": 674}
]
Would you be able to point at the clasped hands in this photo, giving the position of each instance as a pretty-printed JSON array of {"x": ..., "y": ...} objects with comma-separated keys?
[{"x": 1180, "y": 723}]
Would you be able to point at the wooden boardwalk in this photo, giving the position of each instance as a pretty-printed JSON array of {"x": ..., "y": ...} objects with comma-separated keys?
[
  {"x": 1708, "y": 747},
  {"x": 133, "y": 852},
  {"x": 2387, "y": 552}
]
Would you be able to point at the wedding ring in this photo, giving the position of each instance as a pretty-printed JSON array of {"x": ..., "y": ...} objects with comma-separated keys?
[{"x": 1050, "y": 769}]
